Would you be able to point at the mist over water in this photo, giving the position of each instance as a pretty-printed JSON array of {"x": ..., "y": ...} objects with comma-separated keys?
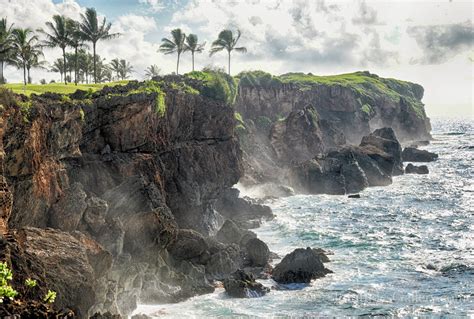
[{"x": 402, "y": 250}]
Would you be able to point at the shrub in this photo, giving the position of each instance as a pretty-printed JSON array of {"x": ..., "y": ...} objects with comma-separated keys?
[
  {"x": 6, "y": 290},
  {"x": 258, "y": 79},
  {"x": 30, "y": 283},
  {"x": 50, "y": 296},
  {"x": 216, "y": 85}
]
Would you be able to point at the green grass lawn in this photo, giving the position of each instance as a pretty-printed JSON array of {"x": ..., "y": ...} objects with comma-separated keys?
[{"x": 61, "y": 88}]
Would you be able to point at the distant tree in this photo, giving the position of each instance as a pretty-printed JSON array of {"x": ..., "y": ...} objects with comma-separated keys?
[
  {"x": 59, "y": 35},
  {"x": 125, "y": 69},
  {"x": 76, "y": 42},
  {"x": 152, "y": 71},
  {"x": 34, "y": 61},
  {"x": 43, "y": 81},
  {"x": 86, "y": 66},
  {"x": 193, "y": 46},
  {"x": 115, "y": 67},
  {"x": 58, "y": 66},
  {"x": 25, "y": 47},
  {"x": 175, "y": 45},
  {"x": 93, "y": 31},
  {"x": 227, "y": 41},
  {"x": 6, "y": 46}
]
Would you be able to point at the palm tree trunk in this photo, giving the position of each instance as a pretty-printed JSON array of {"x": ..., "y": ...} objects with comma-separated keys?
[
  {"x": 64, "y": 61},
  {"x": 28, "y": 72},
  {"x": 177, "y": 65},
  {"x": 24, "y": 73},
  {"x": 75, "y": 67},
  {"x": 61, "y": 74},
  {"x": 192, "y": 54},
  {"x": 229, "y": 61},
  {"x": 2, "y": 80},
  {"x": 95, "y": 70}
]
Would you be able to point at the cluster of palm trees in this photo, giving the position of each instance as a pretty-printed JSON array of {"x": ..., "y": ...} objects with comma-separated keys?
[
  {"x": 180, "y": 43},
  {"x": 23, "y": 48}
]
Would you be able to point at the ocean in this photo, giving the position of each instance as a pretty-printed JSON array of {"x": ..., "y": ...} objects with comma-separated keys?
[{"x": 405, "y": 250}]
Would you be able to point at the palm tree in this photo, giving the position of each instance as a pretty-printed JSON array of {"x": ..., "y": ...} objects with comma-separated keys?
[
  {"x": 115, "y": 67},
  {"x": 93, "y": 31},
  {"x": 60, "y": 35},
  {"x": 58, "y": 66},
  {"x": 175, "y": 45},
  {"x": 227, "y": 41},
  {"x": 193, "y": 46},
  {"x": 152, "y": 71},
  {"x": 125, "y": 69},
  {"x": 33, "y": 61},
  {"x": 5, "y": 45},
  {"x": 76, "y": 41},
  {"x": 25, "y": 45}
]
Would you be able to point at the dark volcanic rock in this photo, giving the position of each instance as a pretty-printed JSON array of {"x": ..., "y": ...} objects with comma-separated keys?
[
  {"x": 242, "y": 211},
  {"x": 229, "y": 233},
  {"x": 411, "y": 154},
  {"x": 189, "y": 244},
  {"x": 384, "y": 139},
  {"x": 257, "y": 252},
  {"x": 412, "y": 169},
  {"x": 300, "y": 266},
  {"x": 243, "y": 285},
  {"x": 354, "y": 196}
]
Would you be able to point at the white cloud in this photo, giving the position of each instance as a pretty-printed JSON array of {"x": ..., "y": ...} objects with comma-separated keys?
[{"x": 155, "y": 5}]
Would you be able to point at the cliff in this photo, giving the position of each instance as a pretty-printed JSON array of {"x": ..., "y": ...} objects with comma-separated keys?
[
  {"x": 289, "y": 119},
  {"x": 357, "y": 103},
  {"x": 128, "y": 177}
]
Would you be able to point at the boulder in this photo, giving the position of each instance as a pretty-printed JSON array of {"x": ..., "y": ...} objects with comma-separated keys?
[
  {"x": 412, "y": 169},
  {"x": 243, "y": 285},
  {"x": 189, "y": 244},
  {"x": 385, "y": 139},
  {"x": 229, "y": 233},
  {"x": 354, "y": 196},
  {"x": 257, "y": 252},
  {"x": 411, "y": 154},
  {"x": 300, "y": 266}
]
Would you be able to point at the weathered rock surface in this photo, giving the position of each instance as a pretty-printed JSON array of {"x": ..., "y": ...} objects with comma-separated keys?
[
  {"x": 257, "y": 252},
  {"x": 413, "y": 169},
  {"x": 243, "y": 285},
  {"x": 350, "y": 169},
  {"x": 411, "y": 154},
  {"x": 112, "y": 175},
  {"x": 300, "y": 266}
]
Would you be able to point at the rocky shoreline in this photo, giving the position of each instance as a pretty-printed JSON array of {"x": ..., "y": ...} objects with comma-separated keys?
[{"x": 111, "y": 200}]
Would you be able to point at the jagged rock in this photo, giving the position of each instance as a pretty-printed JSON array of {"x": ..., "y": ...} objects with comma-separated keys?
[
  {"x": 300, "y": 266},
  {"x": 229, "y": 233},
  {"x": 257, "y": 252},
  {"x": 68, "y": 211},
  {"x": 384, "y": 139},
  {"x": 189, "y": 244},
  {"x": 61, "y": 263},
  {"x": 224, "y": 261},
  {"x": 411, "y": 154},
  {"x": 298, "y": 138},
  {"x": 241, "y": 211},
  {"x": 412, "y": 169},
  {"x": 243, "y": 285}
]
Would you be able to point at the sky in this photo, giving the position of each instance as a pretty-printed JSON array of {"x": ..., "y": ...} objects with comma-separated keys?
[{"x": 427, "y": 42}]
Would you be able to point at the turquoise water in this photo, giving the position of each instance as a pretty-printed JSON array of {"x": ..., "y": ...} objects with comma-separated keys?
[{"x": 404, "y": 250}]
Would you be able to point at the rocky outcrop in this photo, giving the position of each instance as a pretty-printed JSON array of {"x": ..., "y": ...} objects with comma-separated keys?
[
  {"x": 300, "y": 266},
  {"x": 351, "y": 168},
  {"x": 411, "y": 154},
  {"x": 412, "y": 169},
  {"x": 131, "y": 172},
  {"x": 358, "y": 103},
  {"x": 243, "y": 285}
]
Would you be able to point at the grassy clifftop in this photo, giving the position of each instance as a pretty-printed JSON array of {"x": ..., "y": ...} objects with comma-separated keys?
[{"x": 60, "y": 88}]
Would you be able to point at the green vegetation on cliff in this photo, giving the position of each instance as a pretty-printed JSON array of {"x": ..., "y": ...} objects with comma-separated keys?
[
  {"x": 216, "y": 85},
  {"x": 369, "y": 87}
]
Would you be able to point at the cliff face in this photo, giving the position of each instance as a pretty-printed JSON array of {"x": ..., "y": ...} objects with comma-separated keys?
[
  {"x": 357, "y": 103},
  {"x": 114, "y": 171}
]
